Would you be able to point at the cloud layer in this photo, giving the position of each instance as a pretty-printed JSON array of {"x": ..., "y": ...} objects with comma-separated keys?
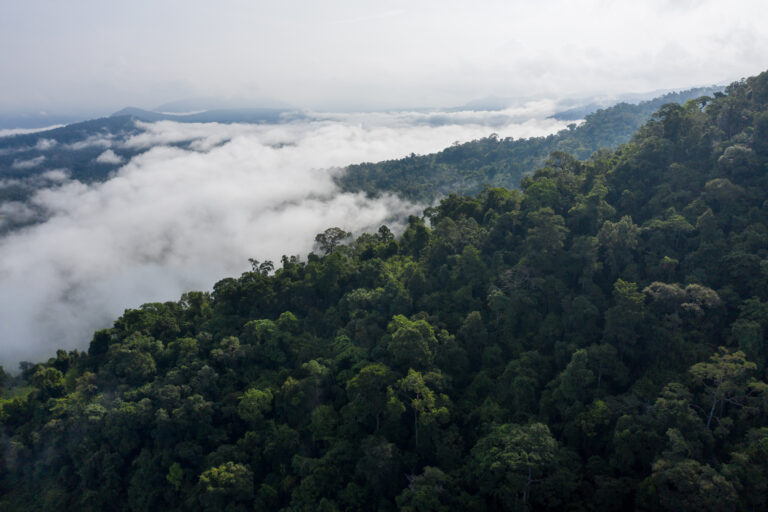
[
  {"x": 9, "y": 132},
  {"x": 175, "y": 218}
]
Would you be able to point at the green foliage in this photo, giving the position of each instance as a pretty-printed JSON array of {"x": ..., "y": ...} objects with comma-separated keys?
[
  {"x": 412, "y": 344},
  {"x": 174, "y": 476},
  {"x": 254, "y": 404},
  {"x": 681, "y": 483},
  {"x": 511, "y": 459},
  {"x": 329, "y": 239},
  {"x": 467, "y": 168},
  {"x": 550, "y": 348},
  {"x": 228, "y": 487}
]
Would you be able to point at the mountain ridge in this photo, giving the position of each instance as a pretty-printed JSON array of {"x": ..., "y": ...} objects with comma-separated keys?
[{"x": 594, "y": 340}]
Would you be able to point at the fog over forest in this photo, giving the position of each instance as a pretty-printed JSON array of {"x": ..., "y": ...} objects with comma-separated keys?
[
  {"x": 196, "y": 205},
  {"x": 343, "y": 256}
]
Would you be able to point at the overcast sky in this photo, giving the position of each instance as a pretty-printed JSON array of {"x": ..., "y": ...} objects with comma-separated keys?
[{"x": 333, "y": 54}]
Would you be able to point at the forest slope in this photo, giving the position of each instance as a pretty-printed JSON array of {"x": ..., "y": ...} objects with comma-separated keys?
[
  {"x": 593, "y": 341},
  {"x": 466, "y": 168}
]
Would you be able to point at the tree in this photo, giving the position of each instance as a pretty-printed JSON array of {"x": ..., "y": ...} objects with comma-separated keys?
[
  {"x": 367, "y": 392},
  {"x": 618, "y": 241},
  {"x": 254, "y": 404},
  {"x": 175, "y": 475},
  {"x": 49, "y": 381},
  {"x": 572, "y": 389},
  {"x": 378, "y": 463},
  {"x": 681, "y": 483},
  {"x": 511, "y": 459},
  {"x": 546, "y": 235},
  {"x": 747, "y": 469},
  {"x": 331, "y": 238},
  {"x": 622, "y": 321},
  {"x": 3, "y": 377},
  {"x": 427, "y": 405},
  {"x": 431, "y": 491},
  {"x": 412, "y": 343},
  {"x": 228, "y": 487},
  {"x": 726, "y": 383}
]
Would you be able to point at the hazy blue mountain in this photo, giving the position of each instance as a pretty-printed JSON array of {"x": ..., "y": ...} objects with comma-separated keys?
[
  {"x": 467, "y": 168},
  {"x": 232, "y": 115},
  {"x": 73, "y": 147},
  {"x": 88, "y": 151},
  {"x": 638, "y": 102}
]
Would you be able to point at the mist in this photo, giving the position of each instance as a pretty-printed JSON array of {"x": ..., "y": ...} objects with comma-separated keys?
[
  {"x": 99, "y": 57},
  {"x": 196, "y": 205}
]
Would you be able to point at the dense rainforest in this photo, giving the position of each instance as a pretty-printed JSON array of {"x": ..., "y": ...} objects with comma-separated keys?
[
  {"x": 466, "y": 168},
  {"x": 592, "y": 341}
]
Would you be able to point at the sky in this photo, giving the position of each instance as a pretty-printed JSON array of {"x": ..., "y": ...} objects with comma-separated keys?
[{"x": 96, "y": 56}]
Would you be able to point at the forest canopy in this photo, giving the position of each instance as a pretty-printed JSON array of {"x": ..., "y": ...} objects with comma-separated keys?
[
  {"x": 592, "y": 341},
  {"x": 502, "y": 162}
]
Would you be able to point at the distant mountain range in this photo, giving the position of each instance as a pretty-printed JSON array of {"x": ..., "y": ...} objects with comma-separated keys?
[
  {"x": 640, "y": 101},
  {"x": 228, "y": 115},
  {"x": 572, "y": 109},
  {"x": 91, "y": 151},
  {"x": 466, "y": 168}
]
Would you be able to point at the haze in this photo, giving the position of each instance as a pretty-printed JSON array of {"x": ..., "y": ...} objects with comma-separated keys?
[
  {"x": 173, "y": 220},
  {"x": 87, "y": 55}
]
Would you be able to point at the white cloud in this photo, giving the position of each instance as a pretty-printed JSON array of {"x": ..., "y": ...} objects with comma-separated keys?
[
  {"x": 12, "y": 182},
  {"x": 9, "y": 132},
  {"x": 37, "y": 180},
  {"x": 56, "y": 175},
  {"x": 173, "y": 219},
  {"x": 103, "y": 141},
  {"x": 109, "y": 157},
  {"x": 15, "y": 212},
  {"x": 28, "y": 164},
  {"x": 45, "y": 144}
]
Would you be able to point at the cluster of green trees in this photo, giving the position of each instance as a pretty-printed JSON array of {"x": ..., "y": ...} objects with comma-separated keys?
[
  {"x": 593, "y": 341},
  {"x": 467, "y": 168}
]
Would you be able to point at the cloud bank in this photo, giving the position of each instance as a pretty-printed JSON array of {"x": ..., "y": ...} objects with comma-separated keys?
[
  {"x": 179, "y": 217},
  {"x": 28, "y": 164},
  {"x": 109, "y": 157},
  {"x": 10, "y": 132},
  {"x": 348, "y": 55}
]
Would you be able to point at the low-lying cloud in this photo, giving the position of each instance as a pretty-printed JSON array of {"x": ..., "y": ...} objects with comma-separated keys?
[
  {"x": 92, "y": 141},
  {"x": 109, "y": 157},
  {"x": 28, "y": 164},
  {"x": 175, "y": 218},
  {"x": 10, "y": 132}
]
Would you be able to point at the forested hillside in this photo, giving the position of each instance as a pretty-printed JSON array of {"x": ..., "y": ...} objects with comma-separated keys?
[
  {"x": 77, "y": 147},
  {"x": 593, "y": 341},
  {"x": 34, "y": 161},
  {"x": 466, "y": 168}
]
